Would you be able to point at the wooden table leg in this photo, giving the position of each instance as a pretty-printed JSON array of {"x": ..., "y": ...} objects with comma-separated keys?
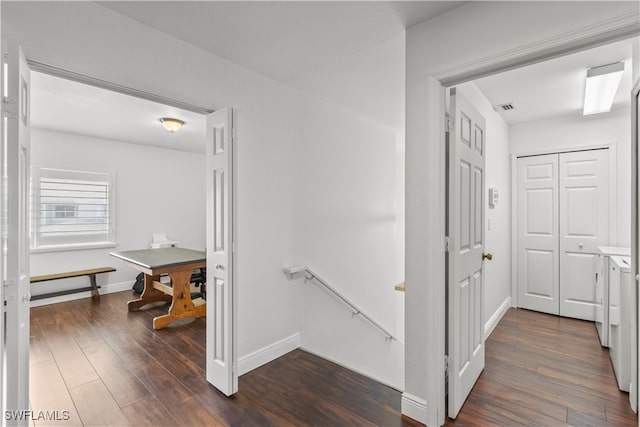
[
  {"x": 149, "y": 294},
  {"x": 182, "y": 305}
]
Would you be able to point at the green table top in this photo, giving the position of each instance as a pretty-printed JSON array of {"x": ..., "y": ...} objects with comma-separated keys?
[{"x": 161, "y": 257}]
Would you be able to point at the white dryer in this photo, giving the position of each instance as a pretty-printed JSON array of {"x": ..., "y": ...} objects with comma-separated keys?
[
  {"x": 602, "y": 289},
  {"x": 620, "y": 318}
]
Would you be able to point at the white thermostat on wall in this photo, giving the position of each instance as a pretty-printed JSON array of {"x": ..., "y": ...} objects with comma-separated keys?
[{"x": 493, "y": 197}]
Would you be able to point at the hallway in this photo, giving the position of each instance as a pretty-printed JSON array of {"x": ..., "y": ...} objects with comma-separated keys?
[
  {"x": 108, "y": 367},
  {"x": 545, "y": 370}
]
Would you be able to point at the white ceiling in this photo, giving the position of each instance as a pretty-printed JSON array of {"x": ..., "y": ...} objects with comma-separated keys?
[
  {"x": 284, "y": 40},
  {"x": 66, "y": 106},
  {"x": 556, "y": 87},
  {"x": 350, "y": 53}
]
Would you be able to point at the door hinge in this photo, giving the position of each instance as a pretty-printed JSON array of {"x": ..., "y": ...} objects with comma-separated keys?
[
  {"x": 10, "y": 290},
  {"x": 447, "y": 244},
  {"x": 449, "y": 124},
  {"x": 9, "y": 107},
  {"x": 446, "y": 364}
]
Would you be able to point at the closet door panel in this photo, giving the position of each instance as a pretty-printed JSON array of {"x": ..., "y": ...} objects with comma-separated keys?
[
  {"x": 537, "y": 251},
  {"x": 584, "y": 225}
]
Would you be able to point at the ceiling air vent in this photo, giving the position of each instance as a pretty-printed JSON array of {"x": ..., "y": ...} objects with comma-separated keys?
[{"x": 504, "y": 107}]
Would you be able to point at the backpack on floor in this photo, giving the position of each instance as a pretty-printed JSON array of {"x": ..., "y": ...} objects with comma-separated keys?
[{"x": 138, "y": 286}]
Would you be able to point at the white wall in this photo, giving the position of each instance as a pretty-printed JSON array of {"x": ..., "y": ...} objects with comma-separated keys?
[
  {"x": 349, "y": 231},
  {"x": 89, "y": 39},
  {"x": 276, "y": 126},
  {"x": 587, "y": 131},
  {"x": 472, "y": 42},
  {"x": 157, "y": 190},
  {"x": 497, "y": 272}
]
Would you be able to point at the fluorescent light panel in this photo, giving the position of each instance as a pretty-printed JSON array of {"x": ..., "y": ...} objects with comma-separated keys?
[{"x": 601, "y": 87}]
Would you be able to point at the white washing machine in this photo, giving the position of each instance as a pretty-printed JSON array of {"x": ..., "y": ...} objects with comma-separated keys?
[{"x": 620, "y": 319}]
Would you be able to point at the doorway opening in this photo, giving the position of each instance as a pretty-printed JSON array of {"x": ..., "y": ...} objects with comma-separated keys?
[
  {"x": 507, "y": 98},
  {"x": 153, "y": 186}
]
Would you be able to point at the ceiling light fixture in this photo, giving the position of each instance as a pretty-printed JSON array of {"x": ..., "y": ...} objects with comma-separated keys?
[
  {"x": 170, "y": 124},
  {"x": 601, "y": 87}
]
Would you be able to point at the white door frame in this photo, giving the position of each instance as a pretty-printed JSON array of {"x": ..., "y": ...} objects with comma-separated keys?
[
  {"x": 562, "y": 44},
  {"x": 69, "y": 75},
  {"x": 635, "y": 225},
  {"x": 514, "y": 201}
]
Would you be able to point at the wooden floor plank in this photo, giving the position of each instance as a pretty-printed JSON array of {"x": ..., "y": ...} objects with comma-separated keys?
[
  {"x": 148, "y": 412},
  {"x": 48, "y": 392},
  {"x": 545, "y": 370},
  {"x": 73, "y": 365},
  {"x": 190, "y": 413},
  {"x": 84, "y": 333},
  {"x": 540, "y": 370},
  {"x": 39, "y": 350},
  {"x": 164, "y": 386},
  {"x": 124, "y": 385},
  {"x": 96, "y": 406}
]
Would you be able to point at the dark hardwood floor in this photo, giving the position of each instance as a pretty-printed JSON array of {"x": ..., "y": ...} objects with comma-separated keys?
[
  {"x": 109, "y": 367},
  {"x": 545, "y": 370}
]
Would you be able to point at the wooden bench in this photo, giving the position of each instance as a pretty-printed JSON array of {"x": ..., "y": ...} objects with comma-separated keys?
[{"x": 95, "y": 295}]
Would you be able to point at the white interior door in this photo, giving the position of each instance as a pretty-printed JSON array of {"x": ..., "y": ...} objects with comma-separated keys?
[
  {"x": 465, "y": 258},
  {"x": 222, "y": 356},
  {"x": 537, "y": 252},
  {"x": 16, "y": 233},
  {"x": 584, "y": 225}
]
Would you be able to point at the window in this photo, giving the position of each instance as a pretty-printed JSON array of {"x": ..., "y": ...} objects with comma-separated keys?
[{"x": 71, "y": 209}]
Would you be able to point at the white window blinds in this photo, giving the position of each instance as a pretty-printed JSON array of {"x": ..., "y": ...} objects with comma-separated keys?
[{"x": 71, "y": 208}]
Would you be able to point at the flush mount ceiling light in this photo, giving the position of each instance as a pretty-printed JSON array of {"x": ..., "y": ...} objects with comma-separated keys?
[
  {"x": 170, "y": 124},
  {"x": 601, "y": 87}
]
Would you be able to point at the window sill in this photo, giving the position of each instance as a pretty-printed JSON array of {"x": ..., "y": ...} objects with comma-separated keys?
[{"x": 73, "y": 247}]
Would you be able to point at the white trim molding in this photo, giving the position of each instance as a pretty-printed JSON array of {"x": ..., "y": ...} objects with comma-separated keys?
[
  {"x": 251, "y": 361},
  {"x": 414, "y": 407},
  {"x": 496, "y": 317},
  {"x": 434, "y": 184},
  {"x": 617, "y": 28},
  {"x": 352, "y": 369},
  {"x": 52, "y": 70}
]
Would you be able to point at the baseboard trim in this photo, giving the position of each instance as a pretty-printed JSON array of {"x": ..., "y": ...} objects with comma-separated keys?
[
  {"x": 414, "y": 407},
  {"x": 496, "y": 317},
  {"x": 266, "y": 354},
  {"x": 352, "y": 369},
  {"x": 104, "y": 290}
]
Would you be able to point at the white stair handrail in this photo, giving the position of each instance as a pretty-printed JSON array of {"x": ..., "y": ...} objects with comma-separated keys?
[{"x": 301, "y": 271}]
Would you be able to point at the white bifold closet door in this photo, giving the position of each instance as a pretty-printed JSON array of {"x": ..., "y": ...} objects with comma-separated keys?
[
  {"x": 584, "y": 225},
  {"x": 563, "y": 216},
  {"x": 538, "y": 249}
]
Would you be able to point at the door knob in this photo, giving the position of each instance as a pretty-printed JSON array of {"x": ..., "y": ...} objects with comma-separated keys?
[
  {"x": 581, "y": 245},
  {"x": 487, "y": 256},
  {"x": 219, "y": 267}
]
